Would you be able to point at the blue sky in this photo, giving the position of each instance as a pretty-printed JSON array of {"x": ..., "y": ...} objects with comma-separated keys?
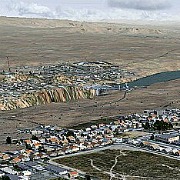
[{"x": 93, "y": 10}]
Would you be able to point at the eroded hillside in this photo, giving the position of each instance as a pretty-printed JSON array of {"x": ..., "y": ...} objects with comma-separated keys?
[{"x": 47, "y": 96}]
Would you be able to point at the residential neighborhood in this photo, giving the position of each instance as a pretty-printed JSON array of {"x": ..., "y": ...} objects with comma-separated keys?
[{"x": 48, "y": 142}]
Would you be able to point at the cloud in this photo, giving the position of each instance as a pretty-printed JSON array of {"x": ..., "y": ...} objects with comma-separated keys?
[
  {"x": 92, "y": 11},
  {"x": 23, "y": 9},
  {"x": 140, "y": 4}
]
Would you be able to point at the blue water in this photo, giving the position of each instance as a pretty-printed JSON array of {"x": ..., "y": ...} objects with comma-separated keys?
[{"x": 156, "y": 78}]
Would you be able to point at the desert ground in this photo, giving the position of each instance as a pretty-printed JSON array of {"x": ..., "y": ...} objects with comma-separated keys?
[
  {"x": 157, "y": 96},
  {"x": 141, "y": 49}
]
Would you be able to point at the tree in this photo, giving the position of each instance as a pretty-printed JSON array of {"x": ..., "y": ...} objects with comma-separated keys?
[
  {"x": 4, "y": 178},
  {"x": 8, "y": 140},
  {"x": 42, "y": 149},
  {"x": 70, "y": 133},
  {"x": 34, "y": 138},
  {"x": 152, "y": 137},
  {"x": 162, "y": 126},
  {"x": 28, "y": 146},
  {"x": 146, "y": 125},
  {"x": 170, "y": 125},
  {"x": 88, "y": 177}
]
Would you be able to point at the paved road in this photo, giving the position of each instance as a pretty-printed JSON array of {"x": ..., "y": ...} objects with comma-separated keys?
[
  {"x": 173, "y": 146},
  {"x": 122, "y": 146},
  {"x": 83, "y": 152},
  {"x": 154, "y": 152}
]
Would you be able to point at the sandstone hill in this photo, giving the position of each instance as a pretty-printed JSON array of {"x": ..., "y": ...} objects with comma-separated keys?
[{"x": 57, "y": 95}]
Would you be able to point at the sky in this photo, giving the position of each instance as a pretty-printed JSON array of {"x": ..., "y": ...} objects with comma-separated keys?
[{"x": 93, "y": 10}]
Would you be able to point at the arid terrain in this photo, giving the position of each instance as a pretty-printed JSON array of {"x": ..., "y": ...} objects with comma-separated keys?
[
  {"x": 137, "y": 48},
  {"x": 142, "y": 49},
  {"x": 162, "y": 95}
]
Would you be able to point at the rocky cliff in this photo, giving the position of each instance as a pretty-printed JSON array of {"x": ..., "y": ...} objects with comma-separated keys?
[{"x": 63, "y": 94}]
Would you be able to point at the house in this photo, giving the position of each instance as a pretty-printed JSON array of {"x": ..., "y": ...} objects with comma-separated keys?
[
  {"x": 54, "y": 140},
  {"x": 71, "y": 139},
  {"x": 93, "y": 127},
  {"x": 16, "y": 160},
  {"x": 26, "y": 173},
  {"x": 36, "y": 132},
  {"x": 65, "y": 142},
  {"x": 27, "y": 141},
  {"x": 9, "y": 170},
  {"x": 146, "y": 143},
  {"x": 73, "y": 174},
  {"x": 60, "y": 153},
  {"x": 167, "y": 138},
  {"x": 155, "y": 147},
  {"x": 88, "y": 129},
  {"x": 167, "y": 150},
  {"x": 109, "y": 136},
  {"x": 52, "y": 154},
  {"x": 117, "y": 140},
  {"x": 6, "y": 157},
  {"x": 28, "y": 152},
  {"x": 37, "y": 145},
  {"x": 56, "y": 169},
  {"x": 82, "y": 147},
  {"x": 74, "y": 148},
  {"x": 49, "y": 149},
  {"x": 136, "y": 142},
  {"x": 177, "y": 153},
  {"x": 67, "y": 150}
]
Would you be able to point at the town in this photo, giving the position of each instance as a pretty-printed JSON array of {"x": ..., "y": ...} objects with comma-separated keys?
[
  {"x": 25, "y": 82},
  {"x": 89, "y": 90},
  {"x": 154, "y": 131}
]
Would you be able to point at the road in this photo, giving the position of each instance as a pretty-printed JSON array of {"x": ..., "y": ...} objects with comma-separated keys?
[
  {"x": 165, "y": 144},
  {"x": 122, "y": 146},
  {"x": 154, "y": 152}
]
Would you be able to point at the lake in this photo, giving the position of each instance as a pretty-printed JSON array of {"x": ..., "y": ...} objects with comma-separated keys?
[{"x": 156, "y": 78}]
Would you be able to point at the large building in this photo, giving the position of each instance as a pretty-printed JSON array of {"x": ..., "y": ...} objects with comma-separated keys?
[{"x": 168, "y": 138}]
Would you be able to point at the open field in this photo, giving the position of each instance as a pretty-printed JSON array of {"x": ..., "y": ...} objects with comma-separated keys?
[
  {"x": 132, "y": 165},
  {"x": 142, "y": 49},
  {"x": 162, "y": 95}
]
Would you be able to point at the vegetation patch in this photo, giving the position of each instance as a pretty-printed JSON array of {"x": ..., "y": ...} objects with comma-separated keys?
[{"x": 130, "y": 164}]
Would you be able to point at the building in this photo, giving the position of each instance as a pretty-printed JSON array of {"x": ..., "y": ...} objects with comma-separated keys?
[
  {"x": 56, "y": 169},
  {"x": 167, "y": 138},
  {"x": 73, "y": 174}
]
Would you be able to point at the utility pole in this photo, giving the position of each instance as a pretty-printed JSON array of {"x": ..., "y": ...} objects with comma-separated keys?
[{"x": 8, "y": 63}]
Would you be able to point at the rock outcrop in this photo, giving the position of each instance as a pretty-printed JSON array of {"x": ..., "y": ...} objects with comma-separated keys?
[{"x": 56, "y": 95}]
